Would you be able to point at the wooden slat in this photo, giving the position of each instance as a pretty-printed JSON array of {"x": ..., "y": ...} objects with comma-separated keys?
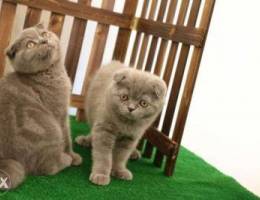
[
  {"x": 142, "y": 52},
  {"x": 178, "y": 77},
  {"x": 177, "y": 80},
  {"x": 96, "y": 55},
  {"x": 169, "y": 67},
  {"x": 80, "y": 11},
  {"x": 161, "y": 141},
  {"x": 135, "y": 51},
  {"x": 56, "y": 23},
  {"x": 77, "y": 101},
  {"x": 154, "y": 42},
  {"x": 75, "y": 43},
  {"x": 7, "y": 15},
  {"x": 189, "y": 86},
  {"x": 149, "y": 147},
  {"x": 186, "y": 35},
  {"x": 32, "y": 17},
  {"x": 134, "y": 55},
  {"x": 124, "y": 34},
  {"x": 173, "y": 50},
  {"x": 174, "y": 45},
  {"x": 164, "y": 42},
  {"x": 138, "y": 35},
  {"x": 146, "y": 36}
]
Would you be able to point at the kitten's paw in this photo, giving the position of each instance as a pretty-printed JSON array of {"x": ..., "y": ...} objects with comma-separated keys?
[
  {"x": 76, "y": 159},
  {"x": 51, "y": 171},
  {"x": 136, "y": 155},
  {"x": 122, "y": 174},
  {"x": 84, "y": 141},
  {"x": 99, "y": 179},
  {"x": 66, "y": 160}
]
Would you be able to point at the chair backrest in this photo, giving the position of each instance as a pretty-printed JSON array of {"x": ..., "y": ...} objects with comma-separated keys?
[{"x": 167, "y": 38}]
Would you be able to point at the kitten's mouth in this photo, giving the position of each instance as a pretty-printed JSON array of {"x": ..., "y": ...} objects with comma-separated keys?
[
  {"x": 126, "y": 117},
  {"x": 130, "y": 117},
  {"x": 47, "y": 55}
]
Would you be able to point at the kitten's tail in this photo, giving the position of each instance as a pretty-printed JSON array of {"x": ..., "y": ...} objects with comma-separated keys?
[{"x": 12, "y": 174}]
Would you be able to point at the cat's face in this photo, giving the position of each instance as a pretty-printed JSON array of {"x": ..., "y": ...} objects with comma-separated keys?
[
  {"x": 137, "y": 95},
  {"x": 35, "y": 50}
]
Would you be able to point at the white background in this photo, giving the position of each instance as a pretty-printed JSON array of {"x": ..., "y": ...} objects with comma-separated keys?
[
  {"x": 223, "y": 126},
  {"x": 224, "y": 122}
]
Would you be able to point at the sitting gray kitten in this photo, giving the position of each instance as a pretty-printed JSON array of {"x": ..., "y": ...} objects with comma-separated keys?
[
  {"x": 34, "y": 128},
  {"x": 122, "y": 103}
]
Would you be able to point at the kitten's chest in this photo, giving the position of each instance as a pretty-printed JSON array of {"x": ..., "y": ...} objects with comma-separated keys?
[
  {"x": 130, "y": 131},
  {"x": 56, "y": 98}
]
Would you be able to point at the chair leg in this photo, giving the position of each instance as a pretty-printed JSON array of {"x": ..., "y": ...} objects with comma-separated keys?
[
  {"x": 170, "y": 166},
  {"x": 81, "y": 115},
  {"x": 171, "y": 162},
  {"x": 158, "y": 160},
  {"x": 140, "y": 146},
  {"x": 148, "y": 151}
]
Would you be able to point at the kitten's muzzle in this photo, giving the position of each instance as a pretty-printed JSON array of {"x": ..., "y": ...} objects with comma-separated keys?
[
  {"x": 131, "y": 108},
  {"x": 43, "y": 41}
]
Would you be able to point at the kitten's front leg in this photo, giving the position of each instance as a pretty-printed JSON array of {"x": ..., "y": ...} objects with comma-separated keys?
[
  {"x": 76, "y": 158},
  {"x": 121, "y": 154},
  {"x": 102, "y": 145}
]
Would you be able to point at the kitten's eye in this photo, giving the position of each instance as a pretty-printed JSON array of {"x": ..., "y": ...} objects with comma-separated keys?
[
  {"x": 45, "y": 34},
  {"x": 143, "y": 103},
  {"x": 124, "y": 97},
  {"x": 30, "y": 44}
]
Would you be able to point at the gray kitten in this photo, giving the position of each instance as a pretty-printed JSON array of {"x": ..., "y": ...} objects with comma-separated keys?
[
  {"x": 34, "y": 127},
  {"x": 122, "y": 103}
]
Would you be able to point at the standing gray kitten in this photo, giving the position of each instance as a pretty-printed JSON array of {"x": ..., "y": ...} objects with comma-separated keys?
[
  {"x": 121, "y": 104},
  {"x": 34, "y": 127}
]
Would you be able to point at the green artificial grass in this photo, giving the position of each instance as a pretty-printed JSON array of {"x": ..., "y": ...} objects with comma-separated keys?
[{"x": 193, "y": 179}]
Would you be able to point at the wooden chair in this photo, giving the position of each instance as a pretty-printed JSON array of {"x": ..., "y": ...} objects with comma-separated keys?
[{"x": 171, "y": 50}]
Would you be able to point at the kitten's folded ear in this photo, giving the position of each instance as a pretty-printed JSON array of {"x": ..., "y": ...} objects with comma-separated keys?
[
  {"x": 120, "y": 75},
  {"x": 159, "y": 88},
  {"x": 12, "y": 50}
]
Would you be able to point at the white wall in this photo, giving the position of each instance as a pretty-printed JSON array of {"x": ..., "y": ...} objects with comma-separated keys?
[{"x": 224, "y": 122}]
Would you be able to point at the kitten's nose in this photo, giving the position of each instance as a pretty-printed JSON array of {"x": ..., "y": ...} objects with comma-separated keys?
[
  {"x": 131, "y": 108},
  {"x": 44, "y": 41}
]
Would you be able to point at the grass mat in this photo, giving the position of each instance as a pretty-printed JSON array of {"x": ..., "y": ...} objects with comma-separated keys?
[{"x": 193, "y": 179}]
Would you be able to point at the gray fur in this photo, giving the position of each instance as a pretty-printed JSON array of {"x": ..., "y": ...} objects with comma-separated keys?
[
  {"x": 117, "y": 122},
  {"x": 34, "y": 127}
]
